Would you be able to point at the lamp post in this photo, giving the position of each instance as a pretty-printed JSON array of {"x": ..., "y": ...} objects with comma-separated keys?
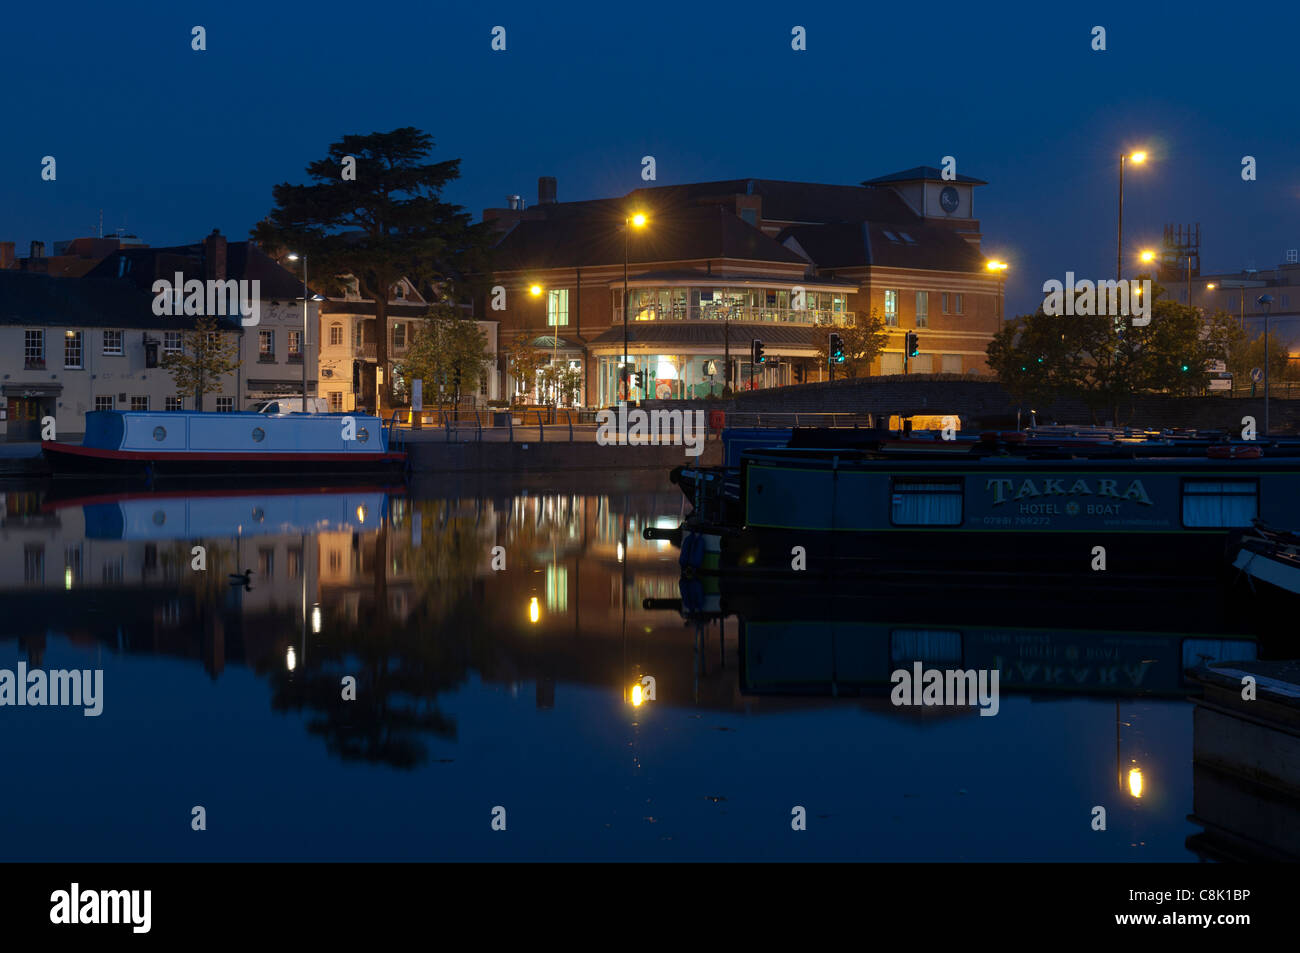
[
  {"x": 1138, "y": 158},
  {"x": 293, "y": 256},
  {"x": 636, "y": 220},
  {"x": 999, "y": 268},
  {"x": 1265, "y": 302}
]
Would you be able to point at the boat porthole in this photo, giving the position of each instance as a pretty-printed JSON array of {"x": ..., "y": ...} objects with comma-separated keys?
[
  {"x": 159, "y": 517},
  {"x": 259, "y": 434},
  {"x": 363, "y": 435},
  {"x": 160, "y": 433}
]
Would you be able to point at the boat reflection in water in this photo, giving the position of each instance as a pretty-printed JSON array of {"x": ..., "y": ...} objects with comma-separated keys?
[{"x": 497, "y": 639}]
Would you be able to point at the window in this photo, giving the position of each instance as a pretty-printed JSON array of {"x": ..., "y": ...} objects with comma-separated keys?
[
  {"x": 749, "y": 216},
  {"x": 557, "y": 307},
  {"x": 926, "y": 501},
  {"x": 951, "y": 303},
  {"x": 266, "y": 347},
  {"x": 891, "y": 362},
  {"x": 399, "y": 334},
  {"x": 113, "y": 343},
  {"x": 104, "y": 402},
  {"x": 907, "y": 239},
  {"x": 336, "y": 335},
  {"x": 921, "y": 364},
  {"x": 891, "y": 308},
  {"x": 72, "y": 349},
  {"x": 293, "y": 563},
  {"x": 922, "y": 309},
  {"x": 225, "y": 405},
  {"x": 1220, "y": 503},
  {"x": 172, "y": 403},
  {"x": 356, "y": 337},
  {"x": 34, "y": 348},
  {"x": 266, "y": 562},
  {"x": 295, "y": 346},
  {"x": 336, "y": 401},
  {"x": 172, "y": 342},
  {"x": 890, "y": 235},
  {"x": 140, "y": 403},
  {"x": 952, "y": 363}
]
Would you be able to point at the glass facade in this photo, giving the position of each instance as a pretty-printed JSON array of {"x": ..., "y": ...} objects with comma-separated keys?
[
  {"x": 684, "y": 376},
  {"x": 749, "y": 305}
]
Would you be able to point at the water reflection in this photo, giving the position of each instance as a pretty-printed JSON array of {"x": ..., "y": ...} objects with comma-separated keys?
[{"x": 383, "y": 623}]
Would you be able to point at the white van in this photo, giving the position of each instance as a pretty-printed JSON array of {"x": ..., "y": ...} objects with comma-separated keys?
[{"x": 291, "y": 405}]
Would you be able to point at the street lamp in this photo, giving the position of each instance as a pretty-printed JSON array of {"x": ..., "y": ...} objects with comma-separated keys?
[
  {"x": 306, "y": 296},
  {"x": 536, "y": 291},
  {"x": 635, "y": 220},
  {"x": 1137, "y": 158},
  {"x": 1147, "y": 256},
  {"x": 1265, "y": 302},
  {"x": 998, "y": 268}
]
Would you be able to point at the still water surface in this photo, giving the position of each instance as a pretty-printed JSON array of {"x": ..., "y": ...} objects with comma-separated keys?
[{"x": 479, "y": 686}]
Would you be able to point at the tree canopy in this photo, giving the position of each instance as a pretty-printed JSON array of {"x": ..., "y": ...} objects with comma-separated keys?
[
  {"x": 374, "y": 211},
  {"x": 863, "y": 338},
  {"x": 207, "y": 355},
  {"x": 449, "y": 353},
  {"x": 1105, "y": 360}
]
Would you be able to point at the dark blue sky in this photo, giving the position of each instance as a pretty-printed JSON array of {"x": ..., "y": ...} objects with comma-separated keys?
[{"x": 172, "y": 143}]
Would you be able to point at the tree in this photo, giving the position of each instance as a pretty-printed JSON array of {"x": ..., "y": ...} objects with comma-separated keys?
[
  {"x": 863, "y": 337},
  {"x": 207, "y": 355},
  {"x": 448, "y": 349},
  {"x": 1105, "y": 360},
  {"x": 386, "y": 223},
  {"x": 525, "y": 361}
]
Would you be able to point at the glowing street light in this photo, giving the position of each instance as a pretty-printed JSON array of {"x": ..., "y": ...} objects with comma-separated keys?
[
  {"x": 535, "y": 291},
  {"x": 1147, "y": 256},
  {"x": 534, "y": 610},
  {"x": 637, "y": 697},
  {"x": 635, "y": 220},
  {"x": 1138, "y": 158},
  {"x": 1135, "y": 782}
]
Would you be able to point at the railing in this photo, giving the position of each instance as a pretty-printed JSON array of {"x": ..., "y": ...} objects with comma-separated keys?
[
  {"x": 364, "y": 351},
  {"x": 541, "y": 425},
  {"x": 1283, "y": 389},
  {"x": 743, "y": 314},
  {"x": 785, "y": 420}
]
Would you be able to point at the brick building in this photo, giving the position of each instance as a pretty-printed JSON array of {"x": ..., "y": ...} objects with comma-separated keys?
[{"x": 720, "y": 264}]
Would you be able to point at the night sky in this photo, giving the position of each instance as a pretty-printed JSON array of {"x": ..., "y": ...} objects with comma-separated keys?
[{"x": 171, "y": 143}]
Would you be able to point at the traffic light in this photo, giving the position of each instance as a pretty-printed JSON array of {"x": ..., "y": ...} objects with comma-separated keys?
[
  {"x": 1185, "y": 368},
  {"x": 798, "y": 373},
  {"x": 836, "y": 349},
  {"x": 756, "y": 352},
  {"x": 639, "y": 379},
  {"x": 356, "y": 377},
  {"x": 913, "y": 344}
]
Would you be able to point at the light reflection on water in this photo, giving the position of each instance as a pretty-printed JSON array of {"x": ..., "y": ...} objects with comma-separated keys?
[{"x": 478, "y": 686}]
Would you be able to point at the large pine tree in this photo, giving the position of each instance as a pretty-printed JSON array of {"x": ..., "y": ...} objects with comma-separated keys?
[{"x": 386, "y": 223}]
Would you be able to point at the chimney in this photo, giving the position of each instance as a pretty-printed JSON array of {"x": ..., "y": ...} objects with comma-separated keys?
[
  {"x": 214, "y": 256},
  {"x": 512, "y": 202},
  {"x": 546, "y": 190},
  {"x": 38, "y": 250},
  {"x": 6, "y": 255}
]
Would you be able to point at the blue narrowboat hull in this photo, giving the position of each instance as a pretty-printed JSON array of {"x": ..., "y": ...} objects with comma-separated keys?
[{"x": 995, "y": 514}]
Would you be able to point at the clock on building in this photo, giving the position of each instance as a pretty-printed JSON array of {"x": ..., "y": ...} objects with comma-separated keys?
[{"x": 949, "y": 199}]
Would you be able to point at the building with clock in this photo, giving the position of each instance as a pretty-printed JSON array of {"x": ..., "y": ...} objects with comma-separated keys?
[{"x": 721, "y": 264}]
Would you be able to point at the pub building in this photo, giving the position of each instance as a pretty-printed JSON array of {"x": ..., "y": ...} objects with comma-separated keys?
[{"x": 717, "y": 265}]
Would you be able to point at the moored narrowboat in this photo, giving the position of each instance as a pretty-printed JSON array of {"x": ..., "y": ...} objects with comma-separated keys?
[
  {"x": 184, "y": 444},
  {"x": 1143, "y": 511}
]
